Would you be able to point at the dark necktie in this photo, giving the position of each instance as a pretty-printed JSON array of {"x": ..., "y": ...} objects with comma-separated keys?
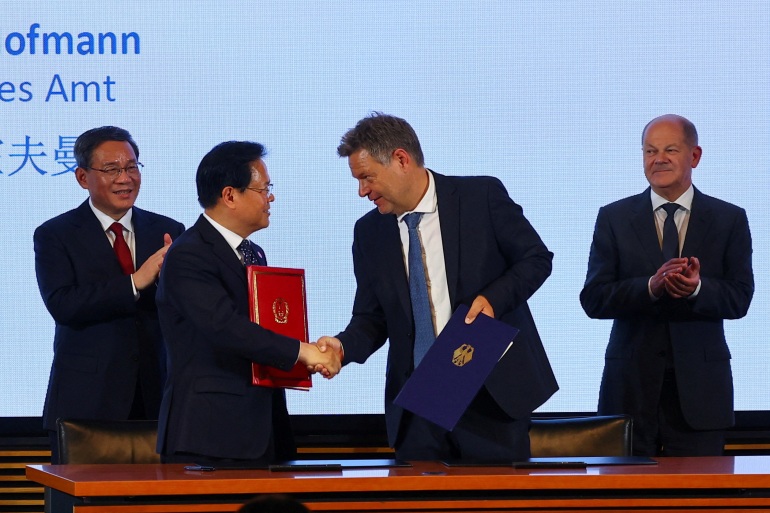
[
  {"x": 249, "y": 257},
  {"x": 424, "y": 334},
  {"x": 670, "y": 245},
  {"x": 121, "y": 249}
]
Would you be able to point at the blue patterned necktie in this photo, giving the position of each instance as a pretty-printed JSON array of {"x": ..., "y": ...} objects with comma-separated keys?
[
  {"x": 424, "y": 334},
  {"x": 670, "y": 246},
  {"x": 249, "y": 257}
]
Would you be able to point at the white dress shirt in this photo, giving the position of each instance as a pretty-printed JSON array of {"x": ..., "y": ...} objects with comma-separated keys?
[
  {"x": 128, "y": 233},
  {"x": 233, "y": 239},
  {"x": 681, "y": 219}
]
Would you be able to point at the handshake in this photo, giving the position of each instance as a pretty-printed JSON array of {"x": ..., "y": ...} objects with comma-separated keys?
[{"x": 323, "y": 356}]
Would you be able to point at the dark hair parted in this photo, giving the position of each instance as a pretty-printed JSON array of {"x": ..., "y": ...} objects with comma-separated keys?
[
  {"x": 89, "y": 140},
  {"x": 380, "y": 135},
  {"x": 226, "y": 165}
]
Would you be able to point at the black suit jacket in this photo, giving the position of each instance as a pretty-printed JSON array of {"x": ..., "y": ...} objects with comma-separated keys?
[
  {"x": 105, "y": 339},
  {"x": 625, "y": 253},
  {"x": 490, "y": 249},
  {"x": 209, "y": 405}
]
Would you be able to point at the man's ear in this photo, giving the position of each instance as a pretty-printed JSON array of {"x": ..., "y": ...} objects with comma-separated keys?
[
  {"x": 401, "y": 157},
  {"x": 228, "y": 196},
  {"x": 81, "y": 176},
  {"x": 696, "y": 155}
]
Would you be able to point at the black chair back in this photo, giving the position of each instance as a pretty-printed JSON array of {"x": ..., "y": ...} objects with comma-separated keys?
[
  {"x": 107, "y": 441},
  {"x": 609, "y": 435}
]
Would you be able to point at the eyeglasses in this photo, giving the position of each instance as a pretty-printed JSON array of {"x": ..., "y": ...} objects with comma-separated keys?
[
  {"x": 267, "y": 189},
  {"x": 115, "y": 171}
]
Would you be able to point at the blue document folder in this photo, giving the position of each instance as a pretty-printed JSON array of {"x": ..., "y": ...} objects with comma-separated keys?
[{"x": 455, "y": 368}]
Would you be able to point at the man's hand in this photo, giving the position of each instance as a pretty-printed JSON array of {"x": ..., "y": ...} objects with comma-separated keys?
[
  {"x": 683, "y": 284},
  {"x": 670, "y": 268},
  {"x": 324, "y": 344},
  {"x": 148, "y": 273},
  {"x": 479, "y": 305},
  {"x": 326, "y": 362}
]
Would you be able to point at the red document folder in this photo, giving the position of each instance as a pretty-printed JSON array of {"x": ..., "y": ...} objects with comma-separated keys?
[{"x": 277, "y": 302}]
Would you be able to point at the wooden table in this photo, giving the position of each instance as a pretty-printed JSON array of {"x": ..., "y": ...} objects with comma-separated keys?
[{"x": 693, "y": 484}]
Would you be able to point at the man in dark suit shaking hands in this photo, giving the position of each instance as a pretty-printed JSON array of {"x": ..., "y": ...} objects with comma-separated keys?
[
  {"x": 669, "y": 265},
  {"x": 96, "y": 268},
  {"x": 478, "y": 249},
  {"x": 211, "y": 412}
]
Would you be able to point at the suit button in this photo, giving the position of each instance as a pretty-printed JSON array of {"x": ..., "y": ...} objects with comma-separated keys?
[
  {"x": 134, "y": 358},
  {"x": 662, "y": 354}
]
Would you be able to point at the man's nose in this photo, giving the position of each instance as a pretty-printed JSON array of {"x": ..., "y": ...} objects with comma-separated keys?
[{"x": 124, "y": 177}]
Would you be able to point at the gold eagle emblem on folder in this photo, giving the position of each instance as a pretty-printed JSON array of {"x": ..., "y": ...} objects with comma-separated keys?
[{"x": 462, "y": 355}]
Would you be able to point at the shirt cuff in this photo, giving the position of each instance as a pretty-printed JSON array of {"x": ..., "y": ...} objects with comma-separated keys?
[
  {"x": 133, "y": 286},
  {"x": 697, "y": 290},
  {"x": 299, "y": 350},
  {"x": 649, "y": 290}
]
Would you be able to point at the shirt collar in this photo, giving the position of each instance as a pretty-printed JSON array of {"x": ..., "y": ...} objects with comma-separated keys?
[
  {"x": 685, "y": 200},
  {"x": 428, "y": 202},
  {"x": 233, "y": 239},
  {"x": 106, "y": 221}
]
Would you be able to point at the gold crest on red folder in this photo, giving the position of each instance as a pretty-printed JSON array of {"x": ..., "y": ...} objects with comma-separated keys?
[
  {"x": 281, "y": 310},
  {"x": 272, "y": 290}
]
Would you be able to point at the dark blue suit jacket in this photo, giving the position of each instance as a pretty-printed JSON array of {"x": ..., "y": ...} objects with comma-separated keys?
[
  {"x": 625, "y": 253},
  {"x": 105, "y": 340},
  {"x": 490, "y": 249},
  {"x": 209, "y": 405}
]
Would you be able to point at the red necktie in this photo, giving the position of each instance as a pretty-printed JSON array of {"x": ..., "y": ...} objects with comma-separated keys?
[{"x": 121, "y": 249}]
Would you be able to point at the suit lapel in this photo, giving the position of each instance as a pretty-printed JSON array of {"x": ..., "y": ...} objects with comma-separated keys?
[
  {"x": 143, "y": 236},
  {"x": 643, "y": 223},
  {"x": 93, "y": 241},
  {"x": 388, "y": 249},
  {"x": 449, "y": 220},
  {"x": 701, "y": 218},
  {"x": 261, "y": 258},
  {"x": 220, "y": 247}
]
